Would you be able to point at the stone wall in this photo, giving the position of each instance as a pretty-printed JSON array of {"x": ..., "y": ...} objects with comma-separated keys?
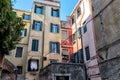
[
  {"x": 110, "y": 69},
  {"x": 106, "y": 18},
  {"x": 74, "y": 71}
]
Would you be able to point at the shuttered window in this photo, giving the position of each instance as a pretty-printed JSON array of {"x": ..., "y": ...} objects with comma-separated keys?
[
  {"x": 54, "y": 47},
  {"x": 39, "y": 9},
  {"x": 54, "y": 28},
  {"x": 54, "y": 12},
  {"x": 37, "y": 25},
  {"x": 35, "y": 44},
  {"x": 87, "y": 53}
]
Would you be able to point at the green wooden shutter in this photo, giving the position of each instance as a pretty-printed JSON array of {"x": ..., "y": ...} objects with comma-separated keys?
[
  {"x": 58, "y": 47},
  {"x": 50, "y": 47},
  {"x": 57, "y": 28},
  {"x": 58, "y": 13},
  {"x": 33, "y": 26},
  {"x": 35, "y": 9},
  {"x": 51, "y": 11},
  {"x": 25, "y": 32},
  {"x": 51, "y": 26}
]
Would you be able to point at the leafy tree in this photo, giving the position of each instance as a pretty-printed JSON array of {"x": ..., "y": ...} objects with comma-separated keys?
[{"x": 10, "y": 28}]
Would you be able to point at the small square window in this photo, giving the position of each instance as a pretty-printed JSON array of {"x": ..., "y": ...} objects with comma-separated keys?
[
  {"x": 19, "y": 69},
  {"x": 54, "y": 28},
  {"x": 55, "y": 12},
  {"x": 19, "y": 51},
  {"x": 37, "y": 25},
  {"x": 73, "y": 20}
]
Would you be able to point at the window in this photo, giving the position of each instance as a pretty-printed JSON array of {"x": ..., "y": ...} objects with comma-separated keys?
[
  {"x": 39, "y": 9},
  {"x": 19, "y": 69},
  {"x": 26, "y": 17},
  {"x": 53, "y": 61},
  {"x": 78, "y": 12},
  {"x": 35, "y": 44},
  {"x": 55, "y": 12},
  {"x": 65, "y": 52},
  {"x": 73, "y": 20},
  {"x": 54, "y": 47},
  {"x": 33, "y": 65},
  {"x": 87, "y": 53},
  {"x": 23, "y": 32},
  {"x": 37, "y": 25},
  {"x": 79, "y": 31},
  {"x": 64, "y": 34},
  {"x": 19, "y": 51},
  {"x": 84, "y": 27},
  {"x": 74, "y": 37},
  {"x": 54, "y": 28},
  {"x": 78, "y": 57},
  {"x": 65, "y": 55}
]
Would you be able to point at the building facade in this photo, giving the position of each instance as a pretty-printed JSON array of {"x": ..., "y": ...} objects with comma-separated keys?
[
  {"x": 106, "y": 18},
  {"x": 41, "y": 39},
  {"x": 83, "y": 39},
  {"x": 66, "y": 40}
]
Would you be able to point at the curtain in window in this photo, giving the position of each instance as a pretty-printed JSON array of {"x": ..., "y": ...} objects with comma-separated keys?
[{"x": 33, "y": 65}]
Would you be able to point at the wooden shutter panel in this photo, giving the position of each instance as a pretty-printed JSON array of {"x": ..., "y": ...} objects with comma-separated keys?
[
  {"x": 51, "y": 11},
  {"x": 23, "y": 16},
  {"x": 58, "y": 13},
  {"x": 35, "y": 9},
  {"x": 57, "y": 28},
  {"x": 50, "y": 47},
  {"x": 33, "y": 26},
  {"x": 25, "y": 32},
  {"x": 58, "y": 47},
  {"x": 42, "y": 7},
  {"x": 41, "y": 25},
  {"x": 51, "y": 26}
]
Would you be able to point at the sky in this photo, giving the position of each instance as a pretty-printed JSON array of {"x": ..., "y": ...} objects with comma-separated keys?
[{"x": 66, "y": 6}]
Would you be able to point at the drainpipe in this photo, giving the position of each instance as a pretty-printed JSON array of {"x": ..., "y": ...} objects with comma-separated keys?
[{"x": 43, "y": 38}]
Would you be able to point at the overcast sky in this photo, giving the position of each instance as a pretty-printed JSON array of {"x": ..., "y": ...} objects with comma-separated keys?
[{"x": 66, "y": 6}]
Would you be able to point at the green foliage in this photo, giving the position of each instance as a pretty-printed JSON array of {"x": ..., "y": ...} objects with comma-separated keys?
[{"x": 10, "y": 27}]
